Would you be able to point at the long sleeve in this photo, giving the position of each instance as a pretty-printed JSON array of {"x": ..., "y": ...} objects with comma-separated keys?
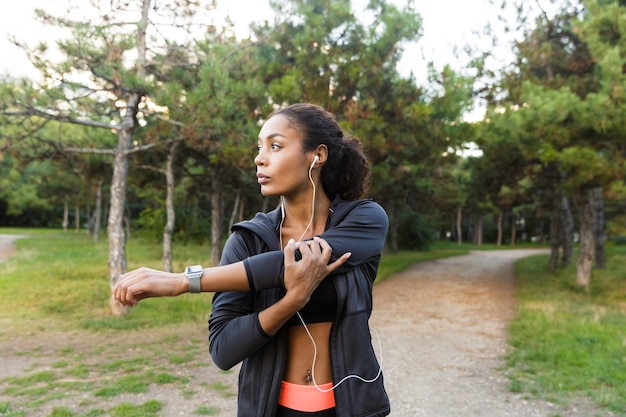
[
  {"x": 361, "y": 231},
  {"x": 234, "y": 328}
]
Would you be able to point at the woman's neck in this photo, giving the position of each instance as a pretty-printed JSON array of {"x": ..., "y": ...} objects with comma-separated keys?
[{"x": 303, "y": 219}]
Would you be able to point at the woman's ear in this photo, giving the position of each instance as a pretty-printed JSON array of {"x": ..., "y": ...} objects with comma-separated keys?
[{"x": 321, "y": 154}]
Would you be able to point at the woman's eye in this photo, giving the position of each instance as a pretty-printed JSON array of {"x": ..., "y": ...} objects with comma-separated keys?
[{"x": 275, "y": 146}]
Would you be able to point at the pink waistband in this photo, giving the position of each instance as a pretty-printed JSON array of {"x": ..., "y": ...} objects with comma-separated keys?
[{"x": 306, "y": 398}]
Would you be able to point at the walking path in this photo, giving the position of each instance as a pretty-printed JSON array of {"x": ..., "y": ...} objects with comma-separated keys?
[
  {"x": 443, "y": 329},
  {"x": 6, "y": 245}
]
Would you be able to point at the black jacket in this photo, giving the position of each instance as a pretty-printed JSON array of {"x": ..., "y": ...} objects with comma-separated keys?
[{"x": 235, "y": 333}]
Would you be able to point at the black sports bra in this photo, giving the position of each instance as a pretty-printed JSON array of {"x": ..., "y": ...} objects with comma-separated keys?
[{"x": 322, "y": 307}]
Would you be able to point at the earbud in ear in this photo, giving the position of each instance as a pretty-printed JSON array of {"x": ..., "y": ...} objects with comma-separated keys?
[{"x": 317, "y": 158}]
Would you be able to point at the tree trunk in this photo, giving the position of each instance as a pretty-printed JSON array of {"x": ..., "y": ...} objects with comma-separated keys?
[
  {"x": 513, "y": 228},
  {"x": 478, "y": 230},
  {"x": 233, "y": 213},
  {"x": 127, "y": 228},
  {"x": 554, "y": 233},
  {"x": 598, "y": 227},
  {"x": 459, "y": 225},
  {"x": 585, "y": 256},
  {"x": 115, "y": 229},
  {"x": 539, "y": 224},
  {"x": 66, "y": 216},
  {"x": 168, "y": 230},
  {"x": 117, "y": 242},
  {"x": 77, "y": 218},
  {"x": 500, "y": 220},
  {"x": 240, "y": 215},
  {"x": 216, "y": 217},
  {"x": 89, "y": 228},
  {"x": 567, "y": 231},
  {"x": 97, "y": 215}
]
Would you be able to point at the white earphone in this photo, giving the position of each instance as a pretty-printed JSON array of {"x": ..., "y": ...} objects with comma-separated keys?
[{"x": 317, "y": 158}]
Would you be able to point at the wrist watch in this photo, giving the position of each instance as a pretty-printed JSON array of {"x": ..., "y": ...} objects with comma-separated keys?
[{"x": 194, "y": 273}]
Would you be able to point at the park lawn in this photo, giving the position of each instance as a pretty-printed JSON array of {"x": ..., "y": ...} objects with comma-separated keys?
[
  {"x": 567, "y": 343},
  {"x": 60, "y": 281}
]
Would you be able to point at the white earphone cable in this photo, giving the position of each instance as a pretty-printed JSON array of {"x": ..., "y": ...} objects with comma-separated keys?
[
  {"x": 345, "y": 378},
  {"x": 380, "y": 347},
  {"x": 280, "y": 228}
]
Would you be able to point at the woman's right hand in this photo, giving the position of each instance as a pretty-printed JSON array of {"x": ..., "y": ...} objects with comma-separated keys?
[
  {"x": 303, "y": 277},
  {"x": 141, "y": 283}
]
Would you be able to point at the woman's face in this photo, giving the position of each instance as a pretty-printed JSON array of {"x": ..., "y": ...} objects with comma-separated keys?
[{"x": 281, "y": 165}]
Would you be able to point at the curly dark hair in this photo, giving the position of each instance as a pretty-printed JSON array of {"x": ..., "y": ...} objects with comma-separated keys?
[{"x": 346, "y": 171}]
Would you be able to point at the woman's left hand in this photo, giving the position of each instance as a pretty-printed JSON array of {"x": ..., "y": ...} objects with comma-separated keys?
[
  {"x": 141, "y": 283},
  {"x": 302, "y": 277}
]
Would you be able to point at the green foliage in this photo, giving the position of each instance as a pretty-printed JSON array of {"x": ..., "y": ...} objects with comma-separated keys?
[
  {"x": 20, "y": 187},
  {"x": 565, "y": 342},
  {"x": 415, "y": 231}
]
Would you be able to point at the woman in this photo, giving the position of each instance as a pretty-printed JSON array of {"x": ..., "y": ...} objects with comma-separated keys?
[{"x": 304, "y": 339}]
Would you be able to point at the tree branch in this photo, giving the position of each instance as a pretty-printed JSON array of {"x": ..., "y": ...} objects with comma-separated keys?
[
  {"x": 150, "y": 168},
  {"x": 60, "y": 118}
]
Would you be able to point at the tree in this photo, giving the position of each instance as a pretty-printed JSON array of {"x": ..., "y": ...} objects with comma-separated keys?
[
  {"x": 555, "y": 90},
  {"x": 103, "y": 81},
  {"x": 223, "y": 102}
]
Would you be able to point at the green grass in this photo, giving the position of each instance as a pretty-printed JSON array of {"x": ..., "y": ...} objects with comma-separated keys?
[
  {"x": 206, "y": 411},
  {"x": 61, "y": 280},
  {"x": 566, "y": 342}
]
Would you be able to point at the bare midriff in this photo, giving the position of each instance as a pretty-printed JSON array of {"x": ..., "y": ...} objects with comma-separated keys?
[{"x": 300, "y": 354}]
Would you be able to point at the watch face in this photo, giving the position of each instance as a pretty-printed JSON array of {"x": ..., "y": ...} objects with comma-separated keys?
[{"x": 193, "y": 268}]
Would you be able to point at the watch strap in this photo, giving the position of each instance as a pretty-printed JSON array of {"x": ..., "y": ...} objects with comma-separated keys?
[{"x": 194, "y": 273}]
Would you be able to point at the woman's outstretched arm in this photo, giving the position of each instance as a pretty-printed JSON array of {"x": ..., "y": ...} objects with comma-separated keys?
[{"x": 142, "y": 283}]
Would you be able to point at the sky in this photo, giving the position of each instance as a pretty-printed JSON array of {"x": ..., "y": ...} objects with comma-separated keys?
[{"x": 445, "y": 23}]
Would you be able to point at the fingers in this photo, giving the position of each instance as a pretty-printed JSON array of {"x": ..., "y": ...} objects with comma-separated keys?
[
  {"x": 128, "y": 287},
  {"x": 326, "y": 250},
  {"x": 342, "y": 260},
  {"x": 319, "y": 249}
]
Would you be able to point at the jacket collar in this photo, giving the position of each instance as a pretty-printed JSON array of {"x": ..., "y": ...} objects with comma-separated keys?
[{"x": 266, "y": 225}]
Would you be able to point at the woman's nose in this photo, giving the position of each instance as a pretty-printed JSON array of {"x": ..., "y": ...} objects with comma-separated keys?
[{"x": 259, "y": 159}]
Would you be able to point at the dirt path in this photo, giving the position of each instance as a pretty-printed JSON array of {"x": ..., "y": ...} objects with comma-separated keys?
[
  {"x": 6, "y": 245},
  {"x": 443, "y": 329},
  {"x": 442, "y": 325}
]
